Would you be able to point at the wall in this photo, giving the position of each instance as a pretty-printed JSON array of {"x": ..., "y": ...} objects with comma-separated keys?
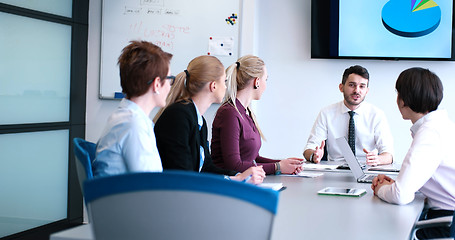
[
  {"x": 298, "y": 87},
  {"x": 98, "y": 110}
]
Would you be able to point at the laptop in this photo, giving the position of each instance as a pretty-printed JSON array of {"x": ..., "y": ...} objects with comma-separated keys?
[{"x": 353, "y": 163}]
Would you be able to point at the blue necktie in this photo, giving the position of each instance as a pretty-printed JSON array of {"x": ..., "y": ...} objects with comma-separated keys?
[{"x": 351, "y": 133}]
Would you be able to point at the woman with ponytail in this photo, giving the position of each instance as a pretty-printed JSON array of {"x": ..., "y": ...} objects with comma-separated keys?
[
  {"x": 236, "y": 136},
  {"x": 181, "y": 130}
]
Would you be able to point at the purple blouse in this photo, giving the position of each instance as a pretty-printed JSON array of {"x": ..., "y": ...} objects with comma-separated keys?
[{"x": 236, "y": 140}]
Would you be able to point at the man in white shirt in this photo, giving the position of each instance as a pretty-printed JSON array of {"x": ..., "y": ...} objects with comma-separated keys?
[
  {"x": 429, "y": 165},
  {"x": 371, "y": 140}
]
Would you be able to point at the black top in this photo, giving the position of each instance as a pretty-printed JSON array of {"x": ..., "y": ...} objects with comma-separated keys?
[{"x": 178, "y": 140}]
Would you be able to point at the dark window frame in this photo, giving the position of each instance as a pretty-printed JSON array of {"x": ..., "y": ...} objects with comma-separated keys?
[{"x": 76, "y": 123}]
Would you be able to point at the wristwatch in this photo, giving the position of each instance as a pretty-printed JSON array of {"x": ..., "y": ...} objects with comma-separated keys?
[
  {"x": 311, "y": 157},
  {"x": 277, "y": 168}
]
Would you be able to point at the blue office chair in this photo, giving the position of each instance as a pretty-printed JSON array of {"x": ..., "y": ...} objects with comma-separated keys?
[
  {"x": 85, "y": 154},
  {"x": 436, "y": 222},
  {"x": 178, "y": 205}
]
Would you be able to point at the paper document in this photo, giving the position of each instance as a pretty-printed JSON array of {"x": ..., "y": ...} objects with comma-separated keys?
[
  {"x": 387, "y": 168},
  {"x": 304, "y": 174},
  {"x": 313, "y": 166},
  {"x": 274, "y": 186},
  {"x": 309, "y": 174}
]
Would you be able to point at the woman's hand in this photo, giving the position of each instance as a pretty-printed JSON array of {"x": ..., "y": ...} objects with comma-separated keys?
[
  {"x": 254, "y": 175},
  {"x": 291, "y": 165}
]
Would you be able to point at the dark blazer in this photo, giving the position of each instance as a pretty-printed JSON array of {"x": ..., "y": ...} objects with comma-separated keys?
[{"x": 178, "y": 140}]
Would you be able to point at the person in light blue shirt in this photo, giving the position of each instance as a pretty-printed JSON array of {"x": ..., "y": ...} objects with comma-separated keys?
[{"x": 127, "y": 143}]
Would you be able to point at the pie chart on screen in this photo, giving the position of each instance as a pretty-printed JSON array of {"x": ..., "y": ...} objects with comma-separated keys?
[{"x": 411, "y": 18}]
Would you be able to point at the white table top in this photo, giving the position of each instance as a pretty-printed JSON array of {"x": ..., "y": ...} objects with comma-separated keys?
[
  {"x": 82, "y": 232},
  {"x": 303, "y": 214}
]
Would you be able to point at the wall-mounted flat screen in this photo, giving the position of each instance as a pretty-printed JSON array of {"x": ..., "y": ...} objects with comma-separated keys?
[{"x": 383, "y": 29}]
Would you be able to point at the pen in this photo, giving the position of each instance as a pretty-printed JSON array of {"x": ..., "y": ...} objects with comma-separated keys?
[{"x": 249, "y": 177}]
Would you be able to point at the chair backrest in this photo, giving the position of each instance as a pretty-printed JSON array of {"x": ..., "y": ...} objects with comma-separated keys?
[
  {"x": 178, "y": 205},
  {"x": 85, "y": 154},
  {"x": 452, "y": 227}
]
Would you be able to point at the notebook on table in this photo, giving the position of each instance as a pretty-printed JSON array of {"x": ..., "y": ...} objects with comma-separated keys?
[{"x": 353, "y": 163}]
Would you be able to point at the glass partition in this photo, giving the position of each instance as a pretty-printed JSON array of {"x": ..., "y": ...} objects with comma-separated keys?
[
  {"x": 57, "y": 7},
  {"x": 35, "y": 70},
  {"x": 33, "y": 179}
]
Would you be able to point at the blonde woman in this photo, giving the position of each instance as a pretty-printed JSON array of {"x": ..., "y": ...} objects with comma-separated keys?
[
  {"x": 181, "y": 130},
  {"x": 236, "y": 136}
]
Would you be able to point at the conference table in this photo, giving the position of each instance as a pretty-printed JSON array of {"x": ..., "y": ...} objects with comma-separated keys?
[{"x": 303, "y": 214}]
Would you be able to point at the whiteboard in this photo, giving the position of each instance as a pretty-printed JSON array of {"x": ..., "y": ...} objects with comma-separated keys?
[{"x": 185, "y": 28}]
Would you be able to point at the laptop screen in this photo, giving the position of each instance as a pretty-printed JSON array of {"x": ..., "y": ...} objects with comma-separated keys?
[{"x": 350, "y": 158}]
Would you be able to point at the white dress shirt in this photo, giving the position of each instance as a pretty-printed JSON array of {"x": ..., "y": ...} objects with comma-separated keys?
[
  {"x": 127, "y": 144},
  {"x": 371, "y": 130},
  {"x": 429, "y": 165}
]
